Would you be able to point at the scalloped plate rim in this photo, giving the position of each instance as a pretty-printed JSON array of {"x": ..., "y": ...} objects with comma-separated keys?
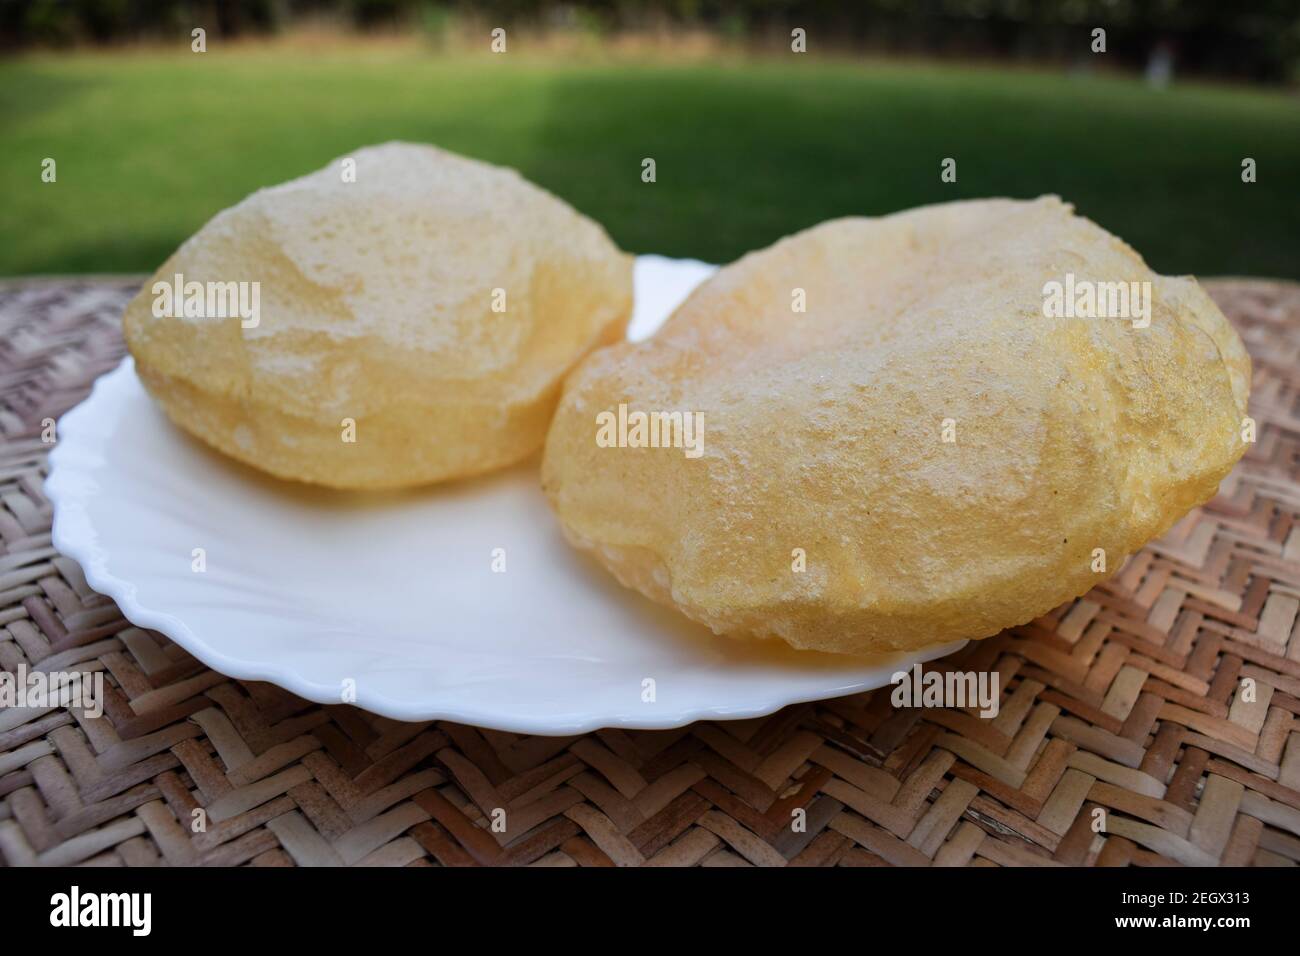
[{"x": 72, "y": 460}]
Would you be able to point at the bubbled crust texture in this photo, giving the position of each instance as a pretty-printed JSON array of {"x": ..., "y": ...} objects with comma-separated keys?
[
  {"x": 822, "y": 431},
  {"x": 376, "y": 306}
]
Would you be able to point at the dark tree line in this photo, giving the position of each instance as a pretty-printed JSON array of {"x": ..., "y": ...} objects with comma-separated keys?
[{"x": 1257, "y": 39}]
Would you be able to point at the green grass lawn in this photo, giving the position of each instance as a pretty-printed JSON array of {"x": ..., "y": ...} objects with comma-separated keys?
[{"x": 150, "y": 145}]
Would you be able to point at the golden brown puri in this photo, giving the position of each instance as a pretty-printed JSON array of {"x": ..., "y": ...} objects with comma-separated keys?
[
  {"x": 436, "y": 303},
  {"x": 824, "y": 431}
]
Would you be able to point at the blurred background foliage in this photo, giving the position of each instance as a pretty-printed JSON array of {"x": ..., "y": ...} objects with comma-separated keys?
[{"x": 1256, "y": 39}]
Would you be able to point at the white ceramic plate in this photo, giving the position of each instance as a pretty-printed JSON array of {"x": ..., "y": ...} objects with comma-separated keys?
[{"x": 395, "y": 593}]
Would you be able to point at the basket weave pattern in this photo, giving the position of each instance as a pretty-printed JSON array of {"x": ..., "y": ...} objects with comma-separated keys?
[{"x": 1127, "y": 701}]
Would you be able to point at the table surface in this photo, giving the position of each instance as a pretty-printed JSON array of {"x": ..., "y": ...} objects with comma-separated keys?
[{"x": 1127, "y": 701}]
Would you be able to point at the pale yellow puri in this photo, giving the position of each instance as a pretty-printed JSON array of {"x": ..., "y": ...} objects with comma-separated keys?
[
  {"x": 417, "y": 312},
  {"x": 922, "y": 455}
]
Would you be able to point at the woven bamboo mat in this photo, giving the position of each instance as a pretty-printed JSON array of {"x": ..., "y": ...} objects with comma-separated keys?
[{"x": 1127, "y": 700}]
